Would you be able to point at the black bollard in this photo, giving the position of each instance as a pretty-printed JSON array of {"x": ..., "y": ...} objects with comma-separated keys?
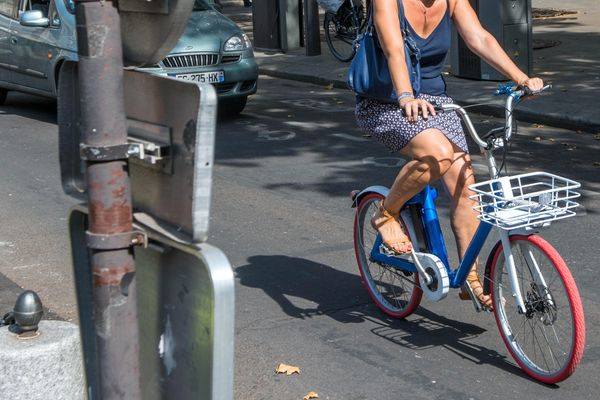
[
  {"x": 27, "y": 313},
  {"x": 312, "y": 33}
]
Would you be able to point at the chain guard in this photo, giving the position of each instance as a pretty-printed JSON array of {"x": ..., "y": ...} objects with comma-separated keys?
[{"x": 438, "y": 289}]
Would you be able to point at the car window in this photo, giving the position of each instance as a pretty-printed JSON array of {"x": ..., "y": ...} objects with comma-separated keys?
[
  {"x": 42, "y": 5},
  {"x": 9, "y": 8},
  {"x": 53, "y": 16}
]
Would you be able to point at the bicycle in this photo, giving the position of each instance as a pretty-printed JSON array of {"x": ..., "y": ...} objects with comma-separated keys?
[
  {"x": 535, "y": 300},
  {"x": 343, "y": 25}
]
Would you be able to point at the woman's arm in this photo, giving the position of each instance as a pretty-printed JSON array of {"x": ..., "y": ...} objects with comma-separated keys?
[
  {"x": 482, "y": 43},
  {"x": 387, "y": 25}
]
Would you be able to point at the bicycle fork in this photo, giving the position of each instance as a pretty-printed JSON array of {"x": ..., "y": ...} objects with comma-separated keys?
[{"x": 512, "y": 271}]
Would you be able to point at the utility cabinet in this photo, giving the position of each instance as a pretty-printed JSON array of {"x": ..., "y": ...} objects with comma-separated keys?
[
  {"x": 276, "y": 24},
  {"x": 265, "y": 24},
  {"x": 509, "y": 21}
]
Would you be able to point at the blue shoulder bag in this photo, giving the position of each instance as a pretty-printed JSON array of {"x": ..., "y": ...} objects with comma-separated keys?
[{"x": 369, "y": 76}]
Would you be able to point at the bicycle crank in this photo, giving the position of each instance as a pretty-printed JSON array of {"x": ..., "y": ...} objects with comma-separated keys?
[{"x": 433, "y": 275}]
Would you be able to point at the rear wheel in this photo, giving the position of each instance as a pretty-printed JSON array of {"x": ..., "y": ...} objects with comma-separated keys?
[
  {"x": 394, "y": 291},
  {"x": 340, "y": 33},
  {"x": 547, "y": 340}
]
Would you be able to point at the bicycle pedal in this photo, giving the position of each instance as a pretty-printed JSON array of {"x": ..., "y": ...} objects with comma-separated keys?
[{"x": 387, "y": 252}]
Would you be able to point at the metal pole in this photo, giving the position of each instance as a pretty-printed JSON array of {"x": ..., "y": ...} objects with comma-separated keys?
[
  {"x": 312, "y": 41},
  {"x": 104, "y": 133}
]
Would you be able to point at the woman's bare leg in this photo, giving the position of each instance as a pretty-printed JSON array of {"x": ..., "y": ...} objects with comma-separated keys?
[
  {"x": 432, "y": 154},
  {"x": 464, "y": 220}
]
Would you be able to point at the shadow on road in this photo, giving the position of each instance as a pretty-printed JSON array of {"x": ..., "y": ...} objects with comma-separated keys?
[
  {"x": 29, "y": 106},
  {"x": 342, "y": 296}
]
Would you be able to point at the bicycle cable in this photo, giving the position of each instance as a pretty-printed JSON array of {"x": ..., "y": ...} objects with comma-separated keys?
[
  {"x": 491, "y": 137},
  {"x": 394, "y": 270}
]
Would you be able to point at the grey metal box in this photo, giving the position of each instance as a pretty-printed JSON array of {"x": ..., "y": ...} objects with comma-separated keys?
[
  {"x": 289, "y": 24},
  {"x": 265, "y": 25},
  {"x": 509, "y": 21}
]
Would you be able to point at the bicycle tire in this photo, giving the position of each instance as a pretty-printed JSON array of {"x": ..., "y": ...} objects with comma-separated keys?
[
  {"x": 549, "y": 355},
  {"x": 340, "y": 35},
  {"x": 394, "y": 294}
]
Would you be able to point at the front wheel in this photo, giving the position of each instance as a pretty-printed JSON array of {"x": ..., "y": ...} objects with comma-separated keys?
[
  {"x": 394, "y": 291},
  {"x": 230, "y": 107},
  {"x": 547, "y": 340}
]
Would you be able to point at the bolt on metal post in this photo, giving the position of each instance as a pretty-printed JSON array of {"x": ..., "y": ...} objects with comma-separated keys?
[{"x": 103, "y": 125}]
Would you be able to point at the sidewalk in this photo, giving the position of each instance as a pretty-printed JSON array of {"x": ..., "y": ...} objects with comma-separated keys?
[{"x": 571, "y": 64}]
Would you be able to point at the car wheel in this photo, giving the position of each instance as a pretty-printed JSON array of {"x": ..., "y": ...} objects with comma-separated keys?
[
  {"x": 3, "y": 93},
  {"x": 232, "y": 107}
]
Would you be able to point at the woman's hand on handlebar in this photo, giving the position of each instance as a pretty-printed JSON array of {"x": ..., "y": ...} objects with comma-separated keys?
[
  {"x": 413, "y": 107},
  {"x": 533, "y": 84}
]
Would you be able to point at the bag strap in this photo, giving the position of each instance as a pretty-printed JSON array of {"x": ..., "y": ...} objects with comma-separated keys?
[
  {"x": 401, "y": 17},
  {"x": 403, "y": 22}
]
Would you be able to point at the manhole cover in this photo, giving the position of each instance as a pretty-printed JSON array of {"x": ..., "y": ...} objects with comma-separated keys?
[{"x": 544, "y": 13}]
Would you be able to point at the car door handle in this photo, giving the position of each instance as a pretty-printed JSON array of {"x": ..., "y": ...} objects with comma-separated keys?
[{"x": 13, "y": 40}]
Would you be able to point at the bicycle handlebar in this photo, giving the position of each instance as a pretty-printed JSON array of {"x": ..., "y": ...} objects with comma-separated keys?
[{"x": 514, "y": 96}]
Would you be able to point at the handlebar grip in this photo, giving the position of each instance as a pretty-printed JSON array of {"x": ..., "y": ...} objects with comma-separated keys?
[
  {"x": 438, "y": 108},
  {"x": 529, "y": 92}
]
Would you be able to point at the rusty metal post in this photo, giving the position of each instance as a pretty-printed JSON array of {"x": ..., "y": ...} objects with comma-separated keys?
[{"x": 104, "y": 137}]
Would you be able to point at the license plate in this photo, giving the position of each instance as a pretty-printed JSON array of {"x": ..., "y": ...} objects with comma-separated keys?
[{"x": 203, "y": 77}]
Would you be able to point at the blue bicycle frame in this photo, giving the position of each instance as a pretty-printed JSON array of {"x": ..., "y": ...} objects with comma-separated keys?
[{"x": 425, "y": 201}]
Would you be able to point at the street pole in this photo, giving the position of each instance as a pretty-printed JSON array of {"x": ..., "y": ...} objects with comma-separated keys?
[
  {"x": 109, "y": 236},
  {"x": 312, "y": 40}
]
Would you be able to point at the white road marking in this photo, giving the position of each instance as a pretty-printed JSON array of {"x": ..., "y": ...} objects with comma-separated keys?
[
  {"x": 351, "y": 137},
  {"x": 319, "y": 105},
  {"x": 275, "y": 135}
]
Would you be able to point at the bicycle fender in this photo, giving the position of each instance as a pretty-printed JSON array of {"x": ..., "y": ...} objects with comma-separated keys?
[
  {"x": 487, "y": 280},
  {"x": 357, "y": 196}
]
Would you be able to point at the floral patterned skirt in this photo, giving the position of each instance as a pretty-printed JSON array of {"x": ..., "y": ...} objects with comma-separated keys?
[{"x": 387, "y": 124}]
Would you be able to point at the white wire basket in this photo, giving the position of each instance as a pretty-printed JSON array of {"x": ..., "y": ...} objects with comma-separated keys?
[{"x": 526, "y": 200}]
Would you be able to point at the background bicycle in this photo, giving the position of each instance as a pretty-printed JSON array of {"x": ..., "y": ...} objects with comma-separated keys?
[{"x": 344, "y": 21}]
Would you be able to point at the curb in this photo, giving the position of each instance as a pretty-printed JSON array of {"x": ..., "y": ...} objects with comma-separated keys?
[{"x": 317, "y": 80}]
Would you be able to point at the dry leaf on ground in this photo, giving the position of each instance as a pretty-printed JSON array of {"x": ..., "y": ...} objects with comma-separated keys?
[
  {"x": 329, "y": 87},
  {"x": 311, "y": 395},
  {"x": 287, "y": 369}
]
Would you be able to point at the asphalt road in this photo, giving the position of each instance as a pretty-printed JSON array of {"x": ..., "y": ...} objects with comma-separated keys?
[{"x": 281, "y": 213}]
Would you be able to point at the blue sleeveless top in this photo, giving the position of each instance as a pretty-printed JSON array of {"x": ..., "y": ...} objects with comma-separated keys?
[{"x": 433, "y": 53}]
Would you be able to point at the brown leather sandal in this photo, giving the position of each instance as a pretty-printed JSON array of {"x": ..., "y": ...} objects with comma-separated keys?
[
  {"x": 477, "y": 289},
  {"x": 397, "y": 245}
]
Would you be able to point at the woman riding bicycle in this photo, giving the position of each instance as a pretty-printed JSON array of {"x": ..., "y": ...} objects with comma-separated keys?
[{"x": 434, "y": 143}]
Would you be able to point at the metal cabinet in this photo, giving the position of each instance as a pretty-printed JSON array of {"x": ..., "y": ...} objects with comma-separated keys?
[{"x": 276, "y": 24}]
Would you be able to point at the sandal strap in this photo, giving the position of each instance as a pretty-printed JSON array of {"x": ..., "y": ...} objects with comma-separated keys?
[
  {"x": 384, "y": 216},
  {"x": 476, "y": 286}
]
